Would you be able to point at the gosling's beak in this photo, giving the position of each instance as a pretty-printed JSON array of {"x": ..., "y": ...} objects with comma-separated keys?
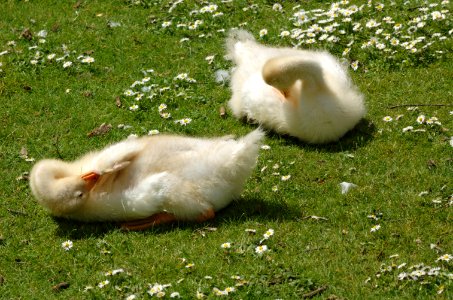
[
  {"x": 90, "y": 179},
  {"x": 285, "y": 95}
]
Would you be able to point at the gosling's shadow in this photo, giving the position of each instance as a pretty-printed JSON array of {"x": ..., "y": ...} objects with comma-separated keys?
[
  {"x": 76, "y": 230},
  {"x": 257, "y": 210},
  {"x": 240, "y": 211},
  {"x": 357, "y": 137}
]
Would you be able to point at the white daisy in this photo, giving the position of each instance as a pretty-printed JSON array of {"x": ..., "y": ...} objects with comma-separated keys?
[
  {"x": 67, "y": 245},
  {"x": 88, "y": 60},
  {"x": 67, "y": 64},
  {"x": 421, "y": 119},
  {"x": 408, "y": 128},
  {"x": 375, "y": 228},
  {"x": 445, "y": 257},
  {"x": 261, "y": 249}
]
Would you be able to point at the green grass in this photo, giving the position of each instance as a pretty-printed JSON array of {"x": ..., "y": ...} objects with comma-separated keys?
[{"x": 48, "y": 110}]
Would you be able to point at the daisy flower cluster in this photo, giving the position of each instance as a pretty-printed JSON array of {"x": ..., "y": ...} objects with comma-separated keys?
[
  {"x": 158, "y": 290},
  {"x": 439, "y": 276},
  {"x": 113, "y": 280},
  {"x": 194, "y": 23},
  {"x": 438, "y": 200},
  {"x": 24, "y": 155},
  {"x": 225, "y": 292},
  {"x": 277, "y": 170},
  {"x": 418, "y": 122},
  {"x": 118, "y": 282},
  {"x": 237, "y": 282},
  {"x": 374, "y": 218},
  {"x": 185, "y": 78},
  {"x": 35, "y": 51},
  {"x": 259, "y": 248},
  {"x": 152, "y": 93},
  {"x": 370, "y": 33}
]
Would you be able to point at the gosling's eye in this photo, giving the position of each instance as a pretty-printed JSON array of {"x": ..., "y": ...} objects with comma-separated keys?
[{"x": 78, "y": 194}]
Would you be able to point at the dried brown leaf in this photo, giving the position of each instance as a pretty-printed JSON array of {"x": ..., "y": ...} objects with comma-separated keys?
[
  {"x": 77, "y": 5},
  {"x": 55, "y": 27},
  {"x": 431, "y": 164},
  {"x": 103, "y": 129},
  {"x": 222, "y": 112},
  {"x": 23, "y": 153},
  {"x": 24, "y": 176},
  {"x": 87, "y": 94},
  {"x": 26, "y": 34},
  {"x": 118, "y": 101},
  {"x": 60, "y": 286}
]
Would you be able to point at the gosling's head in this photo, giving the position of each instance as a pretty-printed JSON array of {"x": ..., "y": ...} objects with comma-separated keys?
[{"x": 55, "y": 185}]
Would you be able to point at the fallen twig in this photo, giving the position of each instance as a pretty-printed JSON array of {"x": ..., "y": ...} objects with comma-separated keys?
[
  {"x": 57, "y": 148},
  {"x": 315, "y": 292},
  {"x": 314, "y": 218},
  {"x": 409, "y": 105},
  {"x": 308, "y": 249},
  {"x": 16, "y": 212}
]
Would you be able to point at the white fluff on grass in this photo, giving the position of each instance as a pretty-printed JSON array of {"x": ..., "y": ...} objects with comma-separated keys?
[{"x": 346, "y": 187}]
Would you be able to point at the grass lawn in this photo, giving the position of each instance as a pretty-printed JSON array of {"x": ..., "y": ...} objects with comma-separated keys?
[{"x": 143, "y": 67}]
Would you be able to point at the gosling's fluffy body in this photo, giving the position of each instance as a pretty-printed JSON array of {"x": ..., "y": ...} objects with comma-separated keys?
[
  {"x": 306, "y": 94},
  {"x": 143, "y": 176}
]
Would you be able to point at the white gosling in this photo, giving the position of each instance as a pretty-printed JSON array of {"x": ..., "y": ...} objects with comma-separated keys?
[
  {"x": 306, "y": 94},
  {"x": 149, "y": 180}
]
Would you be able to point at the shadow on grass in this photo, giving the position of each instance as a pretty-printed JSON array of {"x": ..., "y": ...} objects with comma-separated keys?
[
  {"x": 239, "y": 211},
  {"x": 76, "y": 230},
  {"x": 356, "y": 138},
  {"x": 252, "y": 209}
]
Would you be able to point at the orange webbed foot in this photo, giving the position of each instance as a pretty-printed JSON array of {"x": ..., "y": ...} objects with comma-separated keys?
[
  {"x": 156, "y": 219},
  {"x": 207, "y": 215}
]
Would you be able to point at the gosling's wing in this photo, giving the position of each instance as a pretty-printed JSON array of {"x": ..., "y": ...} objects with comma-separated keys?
[{"x": 118, "y": 156}]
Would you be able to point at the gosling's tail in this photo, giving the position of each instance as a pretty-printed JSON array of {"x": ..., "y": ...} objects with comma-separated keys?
[
  {"x": 235, "y": 44},
  {"x": 245, "y": 154}
]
